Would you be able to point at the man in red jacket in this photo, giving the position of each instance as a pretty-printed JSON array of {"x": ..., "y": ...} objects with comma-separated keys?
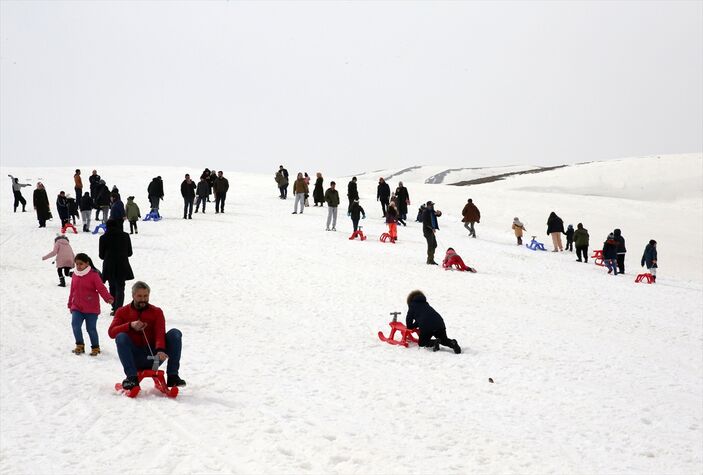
[{"x": 139, "y": 332}]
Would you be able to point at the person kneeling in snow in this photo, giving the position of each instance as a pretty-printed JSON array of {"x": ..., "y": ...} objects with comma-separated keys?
[
  {"x": 428, "y": 322},
  {"x": 451, "y": 258},
  {"x": 139, "y": 330}
]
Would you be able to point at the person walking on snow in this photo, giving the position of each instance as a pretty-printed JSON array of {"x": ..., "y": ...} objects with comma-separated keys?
[
  {"x": 86, "y": 207},
  {"x": 352, "y": 192},
  {"x": 621, "y": 250},
  {"x": 64, "y": 258},
  {"x": 155, "y": 193},
  {"x": 403, "y": 200},
  {"x": 117, "y": 211},
  {"x": 649, "y": 259},
  {"x": 220, "y": 188},
  {"x": 318, "y": 194},
  {"x": 555, "y": 228},
  {"x": 392, "y": 221},
  {"x": 471, "y": 215},
  {"x": 140, "y": 329},
  {"x": 383, "y": 194},
  {"x": 188, "y": 193},
  {"x": 429, "y": 227},
  {"x": 40, "y": 201},
  {"x": 133, "y": 215},
  {"x": 569, "y": 238},
  {"x": 84, "y": 304},
  {"x": 300, "y": 189},
  {"x": 102, "y": 200},
  {"x": 356, "y": 212},
  {"x": 428, "y": 322},
  {"x": 307, "y": 193},
  {"x": 115, "y": 248},
  {"x": 581, "y": 243},
  {"x": 518, "y": 229},
  {"x": 17, "y": 192},
  {"x": 62, "y": 208},
  {"x": 202, "y": 191},
  {"x": 332, "y": 200},
  {"x": 94, "y": 180},
  {"x": 283, "y": 183},
  {"x": 610, "y": 254}
]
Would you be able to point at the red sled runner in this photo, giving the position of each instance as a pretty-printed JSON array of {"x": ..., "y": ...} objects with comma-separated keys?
[
  {"x": 406, "y": 334},
  {"x": 159, "y": 383}
]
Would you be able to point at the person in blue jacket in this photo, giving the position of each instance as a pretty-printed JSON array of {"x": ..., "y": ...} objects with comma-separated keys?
[
  {"x": 428, "y": 322},
  {"x": 649, "y": 258}
]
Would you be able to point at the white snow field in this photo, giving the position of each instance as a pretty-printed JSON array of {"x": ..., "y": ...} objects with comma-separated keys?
[{"x": 593, "y": 373}]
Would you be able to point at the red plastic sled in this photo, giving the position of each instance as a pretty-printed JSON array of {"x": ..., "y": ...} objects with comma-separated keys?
[
  {"x": 598, "y": 257},
  {"x": 406, "y": 334},
  {"x": 647, "y": 278},
  {"x": 387, "y": 237},
  {"x": 159, "y": 383},
  {"x": 358, "y": 233},
  {"x": 66, "y": 226}
]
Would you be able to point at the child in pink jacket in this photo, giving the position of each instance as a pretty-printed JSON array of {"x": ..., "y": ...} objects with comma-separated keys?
[
  {"x": 64, "y": 258},
  {"x": 84, "y": 304}
]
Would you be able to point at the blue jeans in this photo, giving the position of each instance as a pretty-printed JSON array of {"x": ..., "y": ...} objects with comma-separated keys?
[
  {"x": 134, "y": 358},
  {"x": 91, "y": 320}
]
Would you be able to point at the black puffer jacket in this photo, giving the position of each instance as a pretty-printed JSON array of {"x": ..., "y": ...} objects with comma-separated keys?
[
  {"x": 555, "y": 224},
  {"x": 115, "y": 248},
  {"x": 422, "y": 316}
]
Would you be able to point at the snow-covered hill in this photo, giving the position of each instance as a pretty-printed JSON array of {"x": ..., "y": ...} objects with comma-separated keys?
[{"x": 593, "y": 373}]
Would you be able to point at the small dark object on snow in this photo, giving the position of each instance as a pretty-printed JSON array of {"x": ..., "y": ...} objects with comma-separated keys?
[{"x": 490, "y": 380}]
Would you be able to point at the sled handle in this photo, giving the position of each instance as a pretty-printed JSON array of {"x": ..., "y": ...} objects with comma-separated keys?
[{"x": 395, "y": 315}]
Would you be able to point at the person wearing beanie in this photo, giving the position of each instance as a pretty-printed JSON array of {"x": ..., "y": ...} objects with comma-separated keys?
[
  {"x": 518, "y": 228},
  {"x": 649, "y": 258},
  {"x": 64, "y": 258},
  {"x": 621, "y": 250},
  {"x": 569, "y": 238},
  {"x": 610, "y": 254}
]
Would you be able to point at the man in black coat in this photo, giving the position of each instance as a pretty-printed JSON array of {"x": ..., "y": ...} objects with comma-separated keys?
[
  {"x": 403, "y": 198},
  {"x": 428, "y": 322},
  {"x": 429, "y": 226},
  {"x": 115, "y": 248},
  {"x": 94, "y": 180},
  {"x": 621, "y": 250},
  {"x": 383, "y": 194},
  {"x": 155, "y": 191},
  {"x": 102, "y": 200},
  {"x": 188, "y": 193},
  {"x": 352, "y": 192}
]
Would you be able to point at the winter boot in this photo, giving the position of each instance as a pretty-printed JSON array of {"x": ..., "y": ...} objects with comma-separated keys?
[
  {"x": 174, "y": 380},
  {"x": 435, "y": 345},
  {"x": 79, "y": 350},
  {"x": 94, "y": 350},
  {"x": 130, "y": 382},
  {"x": 62, "y": 281},
  {"x": 456, "y": 347}
]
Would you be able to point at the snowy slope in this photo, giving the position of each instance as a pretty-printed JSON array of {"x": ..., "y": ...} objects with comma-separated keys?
[{"x": 593, "y": 374}]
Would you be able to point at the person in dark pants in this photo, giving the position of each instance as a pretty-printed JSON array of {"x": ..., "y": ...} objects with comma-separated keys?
[
  {"x": 202, "y": 192},
  {"x": 318, "y": 194},
  {"x": 139, "y": 330},
  {"x": 352, "y": 192},
  {"x": 383, "y": 194},
  {"x": 102, "y": 200},
  {"x": 188, "y": 193},
  {"x": 40, "y": 201},
  {"x": 155, "y": 192},
  {"x": 78, "y": 184},
  {"x": 429, "y": 227},
  {"x": 581, "y": 243},
  {"x": 621, "y": 251},
  {"x": 428, "y": 322},
  {"x": 115, "y": 248},
  {"x": 569, "y": 233},
  {"x": 610, "y": 254},
  {"x": 403, "y": 200},
  {"x": 16, "y": 191},
  {"x": 93, "y": 181},
  {"x": 356, "y": 212},
  {"x": 285, "y": 182},
  {"x": 220, "y": 188},
  {"x": 62, "y": 208},
  {"x": 649, "y": 258}
]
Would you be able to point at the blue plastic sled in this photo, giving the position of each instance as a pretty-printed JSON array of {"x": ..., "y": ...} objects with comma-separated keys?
[
  {"x": 99, "y": 227},
  {"x": 534, "y": 245},
  {"x": 152, "y": 216}
]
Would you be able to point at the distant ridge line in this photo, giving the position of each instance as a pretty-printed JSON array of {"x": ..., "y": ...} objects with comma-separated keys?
[{"x": 503, "y": 176}]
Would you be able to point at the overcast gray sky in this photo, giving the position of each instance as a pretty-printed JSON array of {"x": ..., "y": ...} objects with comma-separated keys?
[{"x": 345, "y": 87}]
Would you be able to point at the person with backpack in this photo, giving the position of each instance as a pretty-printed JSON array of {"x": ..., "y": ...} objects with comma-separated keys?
[
  {"x": 84, "y": 304},
  {"x": 581, "y": 243},
  {"x": 332, "y": 200},
  {"x": 649, "y": 259},
  {"x": 428, "y": 322}
]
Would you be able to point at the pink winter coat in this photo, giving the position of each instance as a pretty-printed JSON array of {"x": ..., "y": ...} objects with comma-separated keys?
[
  {"x": 63, "y": 252},
  {"x": 84, "y": 292}
]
